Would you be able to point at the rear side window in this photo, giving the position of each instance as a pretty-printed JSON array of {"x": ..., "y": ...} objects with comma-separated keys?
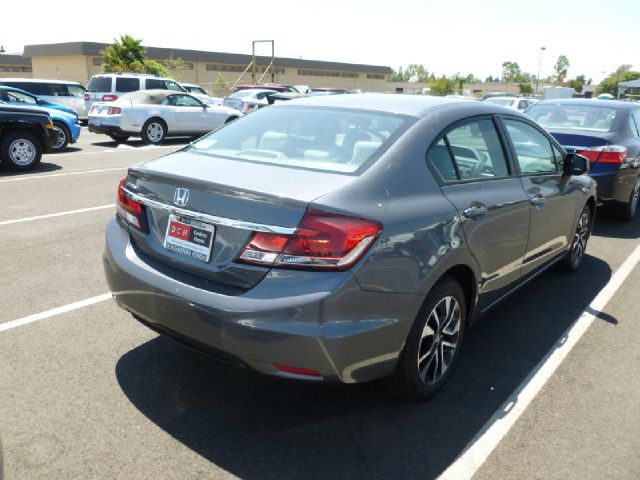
[
  {"x": 99, "y": 84},
  {"x": 153, "y": 83},
  {"x": 533, "y": 149},
  {"x": 471, "y": 151},
  {"x": 635, "y": 122},
  {"x": 125, "y": 85}
]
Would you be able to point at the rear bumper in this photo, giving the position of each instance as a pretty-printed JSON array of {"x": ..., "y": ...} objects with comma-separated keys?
[
  {"x": 321, "y": 321},
  {"x": 111, "y": 130},
  {"x": 615, "y": 185}
]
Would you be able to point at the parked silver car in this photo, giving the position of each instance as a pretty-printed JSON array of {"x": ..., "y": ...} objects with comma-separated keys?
[
  {"x": 348, "y": 237},
  {"x": 62, "y": 92},
  {"x": 154, "y": 115}
]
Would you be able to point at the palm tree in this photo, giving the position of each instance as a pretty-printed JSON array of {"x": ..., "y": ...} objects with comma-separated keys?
[{"x": 128, "y": 55}]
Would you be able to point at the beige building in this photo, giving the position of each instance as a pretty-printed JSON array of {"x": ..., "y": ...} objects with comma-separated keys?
[
  {"x": 78, "y": 61},
  {"x": 15, "y": 66}
]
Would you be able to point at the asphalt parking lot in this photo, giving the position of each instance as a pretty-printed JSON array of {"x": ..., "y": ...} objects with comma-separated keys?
[{"x": 88, "y": 393}]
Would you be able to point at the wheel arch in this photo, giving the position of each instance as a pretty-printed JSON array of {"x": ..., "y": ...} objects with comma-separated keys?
[{"x": 465, "y": 276}]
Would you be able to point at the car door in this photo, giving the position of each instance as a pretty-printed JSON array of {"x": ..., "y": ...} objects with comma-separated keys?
[
  {"x": 553, "y": 198},
  {"x": 478, "y": 180},
  {"x": 191, "y": 115}
]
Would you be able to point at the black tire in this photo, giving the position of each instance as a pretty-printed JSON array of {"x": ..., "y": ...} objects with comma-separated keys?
[
  {"x": 20, "y": 151},
  {"x": 119, "y": 138},
  {"x": 63, "y": 138},
  {"x": 627, "y": 211},
  {"x": 152, "y": 125},
  {"x": 574, "y": 259},
  {"x": 407, "y": 381}
]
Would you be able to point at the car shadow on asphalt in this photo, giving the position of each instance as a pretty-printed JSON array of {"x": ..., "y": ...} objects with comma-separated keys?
[
  {"x": 608, "y": 226},
  {"x": 257, "y": 427},
  {"x": 136, "y": 143},
  {"x": 42, "y": 167}
]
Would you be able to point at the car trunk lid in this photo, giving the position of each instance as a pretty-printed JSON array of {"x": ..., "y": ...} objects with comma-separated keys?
[{"x": 236, "y": 197}]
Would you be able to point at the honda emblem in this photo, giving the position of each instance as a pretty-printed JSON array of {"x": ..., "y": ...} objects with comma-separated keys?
[{"x": 181, "y": 197}]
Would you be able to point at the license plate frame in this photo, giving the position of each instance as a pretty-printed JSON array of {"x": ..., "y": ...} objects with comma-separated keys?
[{"x": 189, "y": 237}]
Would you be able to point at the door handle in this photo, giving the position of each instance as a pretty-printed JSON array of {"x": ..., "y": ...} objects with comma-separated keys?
[
  {"x": 537, "y": 201},
  {"x": 475, "y": 212}
]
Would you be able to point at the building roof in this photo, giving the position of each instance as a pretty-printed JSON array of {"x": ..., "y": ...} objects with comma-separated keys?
[
  {"x": 9, "y": 59},
  {"x": 94, "y": 48}
]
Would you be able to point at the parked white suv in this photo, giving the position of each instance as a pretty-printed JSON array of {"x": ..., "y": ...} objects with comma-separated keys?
[{"x": 107, "y": 87}]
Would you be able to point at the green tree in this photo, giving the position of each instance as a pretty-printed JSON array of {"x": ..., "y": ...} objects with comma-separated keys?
[
  {"x": 443, "y": 86},
  {"x": 622, "y": 74},
  {"x": 577, "y": 83},
  {"x": 560, "y": 69},
  {"x": 526, "y": 89},
  {"x": 415, "y": 73},
  {"x": 128, "y": 55},
  {"x": 510, "y": 71},
  {"x": 397, "y": 76}
]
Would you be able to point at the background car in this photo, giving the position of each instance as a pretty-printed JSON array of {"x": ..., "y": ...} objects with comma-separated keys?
[
  {"x": 155, "y": 115},
  {"x": 514, "y": 103},
  {"x": 346, "y": 237},
  {"x": 247, "y": 100},
  {"x": 193, "y": 88},
  {"x": 61, "y": 92},
  {"x": 17, "y": 95},
  {"x": 25, "y": 134},
  {"x": 66, "y": 122},
  {"x": 271, "y": 86},
  {"x": 608, "y": 134},
  {"x": 108, "y": 87}
]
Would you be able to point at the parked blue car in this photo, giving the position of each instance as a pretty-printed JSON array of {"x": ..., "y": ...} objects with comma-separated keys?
[
  {"x": 65, "y": 119},
  {"x": 608, "y": 134}
]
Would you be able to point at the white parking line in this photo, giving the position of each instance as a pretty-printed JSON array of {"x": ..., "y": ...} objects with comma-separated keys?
[
  {"x": 59, "y": 214},
  {"x": 481, "y": 446},
  {"x": 54, "y": 175},
  {"x": 54, "y": 311}
]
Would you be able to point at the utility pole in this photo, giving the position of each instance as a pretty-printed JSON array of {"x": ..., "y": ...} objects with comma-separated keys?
[{"x": 542, "y": 49}]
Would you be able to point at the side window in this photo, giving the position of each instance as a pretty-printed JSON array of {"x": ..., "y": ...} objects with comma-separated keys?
[
  {"x": 185, "y": 101},
  {"x": 635, "y": 119},
  {"x": 76, "y": 90},
  {"x": 152, "y": 84},
  {"x": 18, "y": 97},
  {"x": 477, "y": 151},
  {"x": 559, "y": 156},
  {"x": 440, "y": 158},
  {"x": 170, "y": 100},
  {"x": 171, "y": 85},
  {"x": 55, "y": 90},
  {"x": 522, "y": 104},
  {"x": 533, "y": 148},
  {"x": 124, "y": 84}
]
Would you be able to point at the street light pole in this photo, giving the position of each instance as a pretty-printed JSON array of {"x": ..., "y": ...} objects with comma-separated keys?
[{"x": 542, "y": 49}]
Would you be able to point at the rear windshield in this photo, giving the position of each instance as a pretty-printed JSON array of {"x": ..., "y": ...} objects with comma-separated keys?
[
  {"x": 99, "y": 84},
  {"x": 574, "y": 117},
  {"x": 503, "y": 102},
  {"x": 334, "y": 140}
]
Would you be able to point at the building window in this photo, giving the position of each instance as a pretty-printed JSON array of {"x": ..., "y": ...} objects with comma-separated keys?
[
  {"x": 214, "y": 67},
  {"x": 375, "y": 76},
  {"x": 15, "y": 69},
  {"x": 327, "y": 73},
  {"x": 97, "y": 61}
]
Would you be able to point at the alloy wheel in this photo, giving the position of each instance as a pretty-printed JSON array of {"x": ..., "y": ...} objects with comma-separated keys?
[
  {"x": 155, "y": 132},
  {"x": 439, "y": 340},
  {"x": 62, "y": 138},
  {"x": 22, "y": 152},
  {"x": 580, "y": 238}
]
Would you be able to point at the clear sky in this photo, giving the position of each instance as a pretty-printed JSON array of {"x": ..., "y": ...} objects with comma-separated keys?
[{"x": 447, "y": 36}]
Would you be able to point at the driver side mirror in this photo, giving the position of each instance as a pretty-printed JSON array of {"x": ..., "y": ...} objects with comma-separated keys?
[
  {"x": 575, "y": 164},
  {"x": 205, "y": 106}
]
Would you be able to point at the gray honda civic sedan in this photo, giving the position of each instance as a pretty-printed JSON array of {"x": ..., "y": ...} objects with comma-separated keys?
[{"x": 346, "y": 237}]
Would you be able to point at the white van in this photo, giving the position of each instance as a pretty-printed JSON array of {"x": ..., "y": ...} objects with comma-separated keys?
[
  {"x": 107, "y": 87},
  {"x": 69, "y": 94}
]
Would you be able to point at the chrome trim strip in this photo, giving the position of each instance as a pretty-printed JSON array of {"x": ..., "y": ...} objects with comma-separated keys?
[{"x": 205, "y": 217}]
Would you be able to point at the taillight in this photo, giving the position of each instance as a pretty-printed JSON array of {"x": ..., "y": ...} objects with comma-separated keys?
[
  {"x": 129, "y": 210},
  {"x": 322, "y": 241},
  {"x": 246, "y": 107},
  {"x": 114, "y": 111},
  {"x": 93, "y": 109},
  {"x": 109, "y": 98},
  {"x": 605, "y": 154},
  {"x": 87, "y": 97}
]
